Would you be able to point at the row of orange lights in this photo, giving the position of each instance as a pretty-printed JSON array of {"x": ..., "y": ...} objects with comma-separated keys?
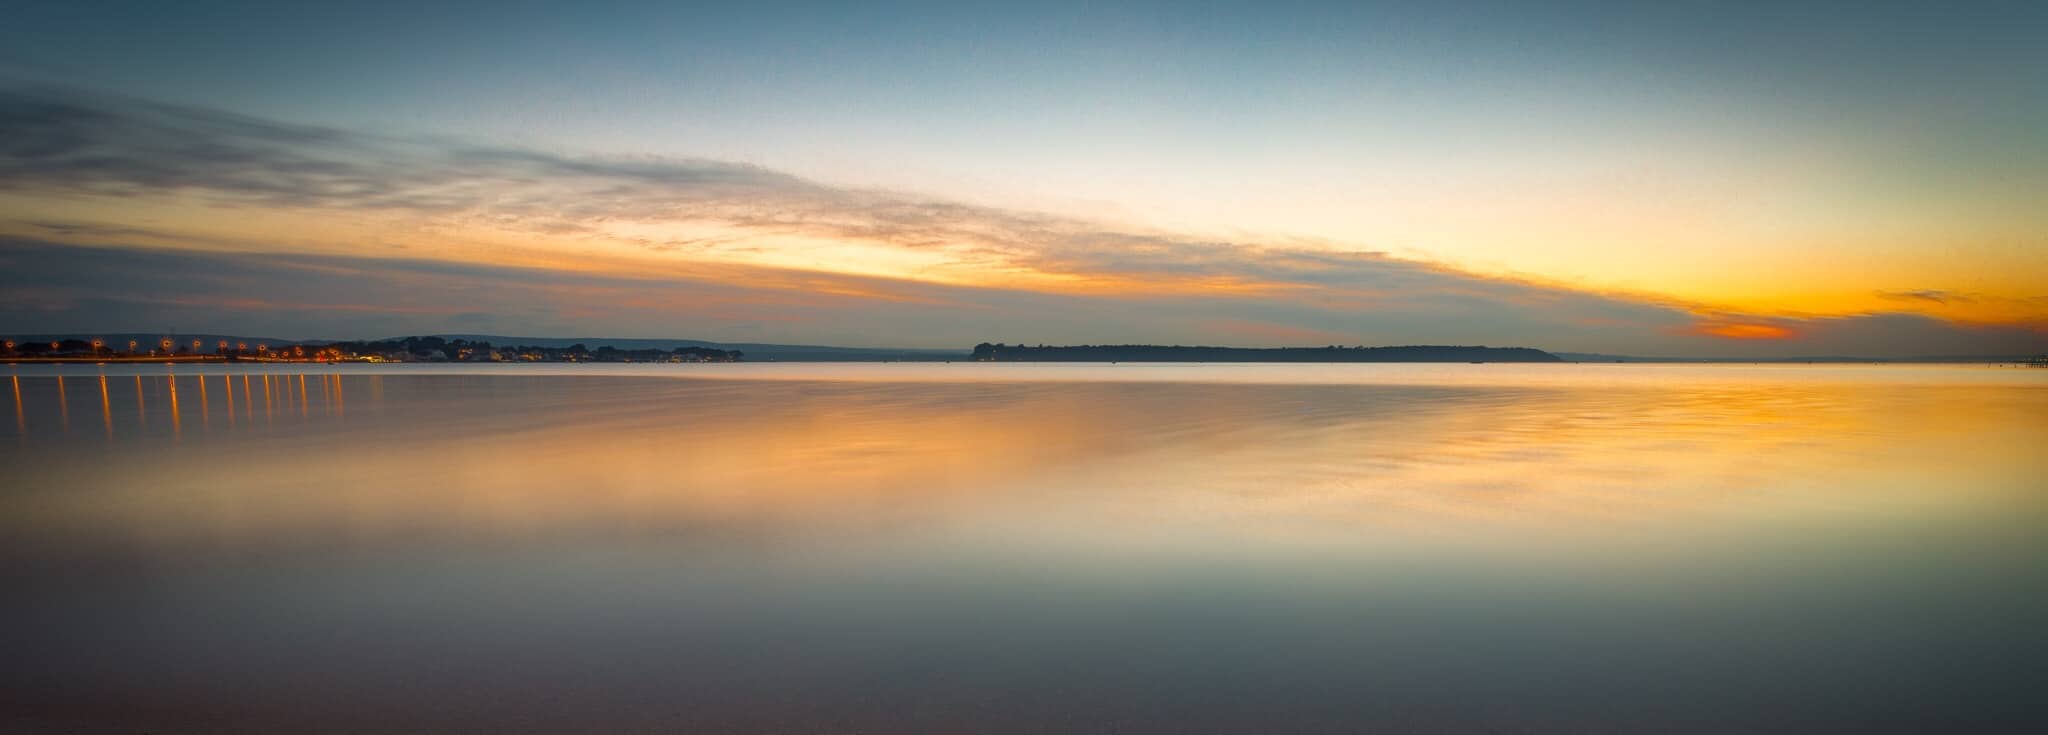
[{"x": 166, "y": 344}]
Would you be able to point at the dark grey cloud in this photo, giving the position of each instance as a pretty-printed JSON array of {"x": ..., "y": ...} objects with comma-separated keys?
[
  {"x": 56, "y": 139},
  {"x": 98, "y": 230},
  {"x": 1935, "y": 295}
]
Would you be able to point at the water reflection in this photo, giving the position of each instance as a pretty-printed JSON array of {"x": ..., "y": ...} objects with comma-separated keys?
[
  {"x": 1295, "y": 462},
  {"x": 487, "y": 552}
]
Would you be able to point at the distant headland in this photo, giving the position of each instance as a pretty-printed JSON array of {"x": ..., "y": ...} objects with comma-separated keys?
[{"x": 1176, "y": 353}]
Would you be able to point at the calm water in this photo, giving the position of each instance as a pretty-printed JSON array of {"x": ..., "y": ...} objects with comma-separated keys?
[{"x": 887, "y": 548}]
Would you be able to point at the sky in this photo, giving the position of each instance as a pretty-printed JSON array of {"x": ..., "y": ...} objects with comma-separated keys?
[{"x": 1697, "y": 179}]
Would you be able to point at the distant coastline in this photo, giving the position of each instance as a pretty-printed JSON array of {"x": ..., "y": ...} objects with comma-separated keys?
[
  {"x": 987, "y": 352},
  {"x": 405, "y": 349},
  {"x": 216, "y": 348}
]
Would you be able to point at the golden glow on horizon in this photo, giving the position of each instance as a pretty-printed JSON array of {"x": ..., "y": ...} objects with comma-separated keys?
[
  {"x": 1802, "y": 278},
  {"x": 1736, "y": 330}
]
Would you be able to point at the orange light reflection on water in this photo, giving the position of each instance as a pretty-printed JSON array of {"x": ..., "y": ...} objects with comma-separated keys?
[
  {"x": 177, "y": 419},
  {"x": 1057, "y": 464},
  {"x": 106, "y": 409},
  {"x": 63, "y": 405}
]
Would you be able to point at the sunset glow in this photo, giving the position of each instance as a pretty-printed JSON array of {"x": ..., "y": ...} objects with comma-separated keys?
[{"x": 1692, "y": 206}]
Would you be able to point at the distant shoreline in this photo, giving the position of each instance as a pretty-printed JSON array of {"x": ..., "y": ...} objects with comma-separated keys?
[
  {"x": 80, "y": 348},
  {"x": 170, "y": 359},
  {"x": 986, "y": 352}
]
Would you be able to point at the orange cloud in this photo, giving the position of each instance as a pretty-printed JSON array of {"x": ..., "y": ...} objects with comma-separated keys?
[{"x": 1742, "y": 330}]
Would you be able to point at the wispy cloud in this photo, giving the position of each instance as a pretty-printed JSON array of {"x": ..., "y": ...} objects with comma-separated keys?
[
  {"x": 1934, "y": 295},
  {"x": 64, "y": 141}
]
